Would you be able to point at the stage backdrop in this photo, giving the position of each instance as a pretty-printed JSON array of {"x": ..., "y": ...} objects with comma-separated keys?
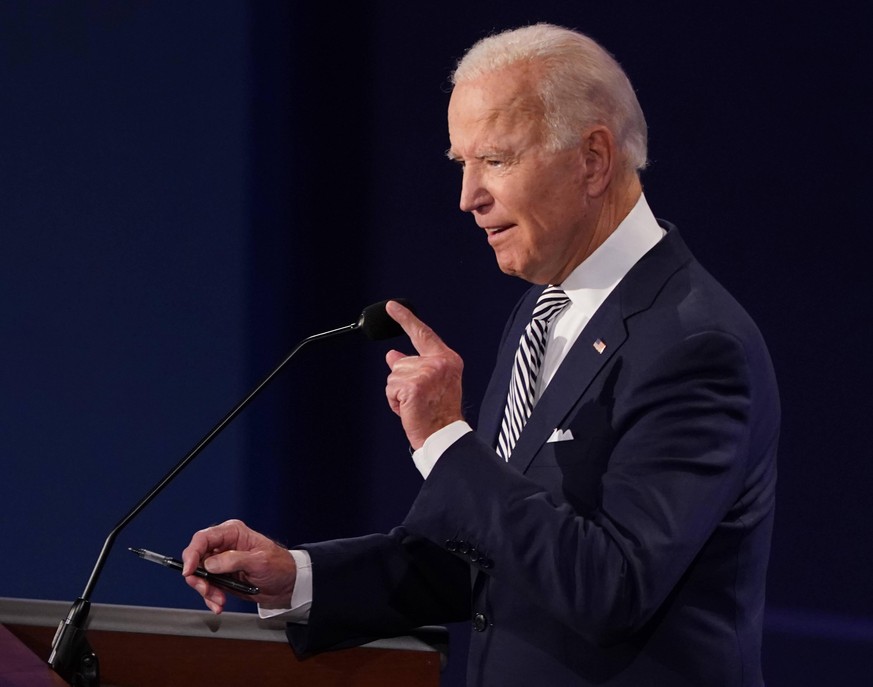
[{"x": 189, "y": 189}]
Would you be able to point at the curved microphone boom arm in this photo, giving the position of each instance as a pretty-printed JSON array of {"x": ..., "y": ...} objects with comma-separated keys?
[{"x": 71, "y": 656}]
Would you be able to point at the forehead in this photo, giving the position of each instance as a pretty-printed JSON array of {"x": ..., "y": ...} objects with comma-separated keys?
[{"x": 498, "y": 103}]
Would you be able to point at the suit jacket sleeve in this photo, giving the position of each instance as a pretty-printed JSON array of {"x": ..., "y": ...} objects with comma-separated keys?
[{"x": 379, "y": 585}]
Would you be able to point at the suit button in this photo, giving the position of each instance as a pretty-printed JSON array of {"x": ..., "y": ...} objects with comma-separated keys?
[
  {"x": 463, "y": 547},
  {"x": 480, "y": 622},
  {"x": 451, "y": 545},
  {"x": 486, "y": 563},
  {"x": 474, "y": 554}
]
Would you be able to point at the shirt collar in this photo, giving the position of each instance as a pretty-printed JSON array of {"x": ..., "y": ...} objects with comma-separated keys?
[{"x": 593, "y": 280}]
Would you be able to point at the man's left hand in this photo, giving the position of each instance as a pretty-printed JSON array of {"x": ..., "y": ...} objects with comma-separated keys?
[{"x": 424, "y": 389}]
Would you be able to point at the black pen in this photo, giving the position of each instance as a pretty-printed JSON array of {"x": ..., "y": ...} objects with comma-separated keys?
[{"x": 217, "y": 580}]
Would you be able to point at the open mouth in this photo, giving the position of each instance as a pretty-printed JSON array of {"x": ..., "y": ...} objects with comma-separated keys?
[{"x": 494, "y": 231}]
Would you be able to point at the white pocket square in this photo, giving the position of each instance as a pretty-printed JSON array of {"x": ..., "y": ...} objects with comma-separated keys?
[{"x": 560, "y": 435}]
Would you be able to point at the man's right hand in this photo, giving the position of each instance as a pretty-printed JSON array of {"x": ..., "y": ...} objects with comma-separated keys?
[{"x": 234, "y": 548}]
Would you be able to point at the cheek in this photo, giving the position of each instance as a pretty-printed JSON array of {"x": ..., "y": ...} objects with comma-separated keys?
[{"x": 524, "y": 199}]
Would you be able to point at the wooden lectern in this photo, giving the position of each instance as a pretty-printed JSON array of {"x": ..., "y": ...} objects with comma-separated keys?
[{"x": 138, "y": 645}]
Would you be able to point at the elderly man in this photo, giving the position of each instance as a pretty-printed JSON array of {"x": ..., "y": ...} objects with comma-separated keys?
[{"x": 609, "y": 521}]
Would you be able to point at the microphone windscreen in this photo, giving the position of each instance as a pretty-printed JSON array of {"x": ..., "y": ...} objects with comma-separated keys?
[{"x": 377, "y": 324}]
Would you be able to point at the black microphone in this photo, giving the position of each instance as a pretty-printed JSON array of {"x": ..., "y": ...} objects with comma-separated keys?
[
  {"x": 71, "y": 656},
  {"x": 378, "y": 324}
]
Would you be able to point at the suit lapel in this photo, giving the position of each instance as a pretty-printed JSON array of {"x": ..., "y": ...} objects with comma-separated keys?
[
  {"x": 571, "y": 381},
  {"x": 637, "y": 291}
]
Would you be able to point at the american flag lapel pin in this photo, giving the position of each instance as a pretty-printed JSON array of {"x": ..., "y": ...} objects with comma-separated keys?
[{"x": 599, "y": 346}]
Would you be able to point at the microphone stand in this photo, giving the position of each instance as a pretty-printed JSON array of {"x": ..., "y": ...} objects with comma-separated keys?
[{"x": 72, "y": 656}]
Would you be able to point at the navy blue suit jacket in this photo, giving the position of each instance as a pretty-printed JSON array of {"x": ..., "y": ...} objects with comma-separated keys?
[{"x": 631, "y": 552}]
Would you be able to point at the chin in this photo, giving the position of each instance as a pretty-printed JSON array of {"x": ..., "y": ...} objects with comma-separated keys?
[
  {"x": 513, "y": 269},
  {"x": 516, "y": 273},
  {"x": 510, "y": 270}
]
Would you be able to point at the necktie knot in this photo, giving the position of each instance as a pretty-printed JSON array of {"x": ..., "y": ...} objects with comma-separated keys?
[{"x": 551, "y": 301}]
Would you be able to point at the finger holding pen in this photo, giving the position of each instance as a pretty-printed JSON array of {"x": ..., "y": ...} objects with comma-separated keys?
[
  {"x": 234, "y": 548},
  {"x": 226, "y": 581}
]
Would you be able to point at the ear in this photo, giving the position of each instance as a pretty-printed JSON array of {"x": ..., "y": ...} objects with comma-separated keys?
[{"x": 601, "y": 159}]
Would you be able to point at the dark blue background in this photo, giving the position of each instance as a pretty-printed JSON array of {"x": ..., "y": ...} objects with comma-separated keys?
[{"x": 188, "y": 189}]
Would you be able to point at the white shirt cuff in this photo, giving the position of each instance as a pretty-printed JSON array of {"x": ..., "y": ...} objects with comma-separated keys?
[
  {"x": 436, "y": 444},
  {"x": 301, "y": 597}
]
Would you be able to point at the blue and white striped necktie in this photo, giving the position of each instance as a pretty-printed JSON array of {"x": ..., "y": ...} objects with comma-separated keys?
[{"x": 525, "y": 370}]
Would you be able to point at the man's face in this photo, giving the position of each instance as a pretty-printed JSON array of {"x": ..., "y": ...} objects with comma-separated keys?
[{"x": 531, "y": 202}]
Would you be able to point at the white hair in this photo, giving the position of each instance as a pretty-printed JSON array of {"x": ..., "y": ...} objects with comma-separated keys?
[{"x": 579, "y": 83}]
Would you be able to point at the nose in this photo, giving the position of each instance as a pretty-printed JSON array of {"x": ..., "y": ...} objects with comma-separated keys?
[{"x": 474, "y": 194}]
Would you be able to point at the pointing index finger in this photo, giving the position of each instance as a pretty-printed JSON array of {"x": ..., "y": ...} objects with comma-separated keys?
[{"x": 423, "y": 338}]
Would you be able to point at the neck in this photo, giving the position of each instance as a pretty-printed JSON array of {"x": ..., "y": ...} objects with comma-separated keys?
[
  {"x": 617, "y": 202},
  {"x": 608, "y": 210}
]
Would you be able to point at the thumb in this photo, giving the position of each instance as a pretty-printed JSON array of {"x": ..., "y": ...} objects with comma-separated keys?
[
  {"x": 226, "y": 562},
  {"x": 392, "y": 356}
]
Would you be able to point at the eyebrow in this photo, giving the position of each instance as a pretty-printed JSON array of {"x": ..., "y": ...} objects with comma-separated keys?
[{"x": 493, "y": 152}]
